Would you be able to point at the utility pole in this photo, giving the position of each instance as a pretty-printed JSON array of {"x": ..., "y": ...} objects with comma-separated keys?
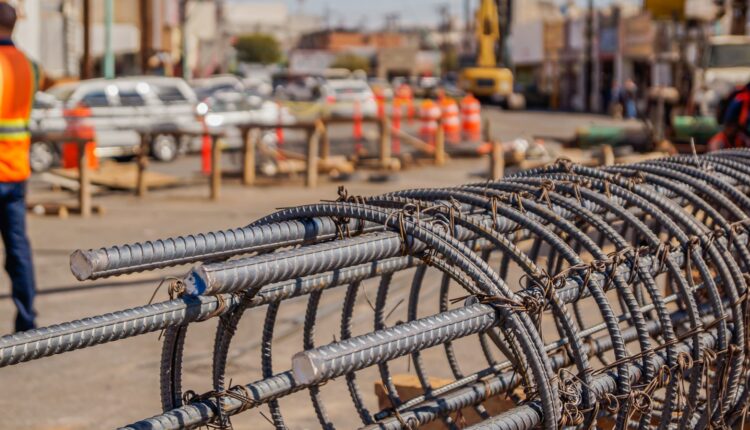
[
  {"x": 109, "y": 55},
  {"x": 445, "y": 28},
  {"x": 221, "y": 35},
  {"x": 468, "y": 19},
  {"x": 144, "y": 7},
  {"x": 184, "y": 36},
  {"x": 739, "y": 17},
  {"x": 588, "y": 60},
  {"x": 87, "y": 67}
]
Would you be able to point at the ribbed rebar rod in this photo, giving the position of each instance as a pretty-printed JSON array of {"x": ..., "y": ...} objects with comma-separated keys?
[{"x": 83, "y": 333}]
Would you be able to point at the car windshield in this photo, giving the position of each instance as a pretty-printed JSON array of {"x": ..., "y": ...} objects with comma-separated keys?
[
  {"x": 95, "y": 98},
  {"x": 62, "y": 92},
  {"x": 229, "y": 102},
  {"x": 130, "y": 97},
  {"x": 730, "y": 55}
]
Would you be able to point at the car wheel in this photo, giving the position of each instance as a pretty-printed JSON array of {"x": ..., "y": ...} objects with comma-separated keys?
[
  {"x": 164, "y": 148},
  {"x": 42, "y": 156}
]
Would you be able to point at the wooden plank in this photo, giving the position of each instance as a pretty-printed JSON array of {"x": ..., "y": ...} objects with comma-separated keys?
[
  {"x": 497, "y": 161},
  {"x": 248, "y": 159},
  {"x": 117, "y": 176},
  {"x": 606, "y": 156},
  {"x": 325, "y": 143},
  {"x": 440, "y": 146},
  {"x": 216, "y": 143},
  {"x": 311, "y": 178},
  {"x": 409, "y": 387},
  {"x": 141, "y": 187},
  {"x": 417, "y": 143},
  {"x": 84, "y": 181},
  {"x": 384, "y": 150}
]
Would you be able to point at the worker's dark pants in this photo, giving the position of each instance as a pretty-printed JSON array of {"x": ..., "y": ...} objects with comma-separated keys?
[{"x": 18, "y": 262}]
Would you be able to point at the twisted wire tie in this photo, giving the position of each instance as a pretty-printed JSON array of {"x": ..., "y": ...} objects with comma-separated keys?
[
  {"x": 545, "y": 188},
  {"x": 566, "y": 164},
  {"x": 408, "y": 210},
  {"x": 176, "y": 288}
]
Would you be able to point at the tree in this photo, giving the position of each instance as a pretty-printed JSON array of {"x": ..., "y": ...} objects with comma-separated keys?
[
  {"x": 258, "y": 48},
  {"x": 351, "y": 62}
]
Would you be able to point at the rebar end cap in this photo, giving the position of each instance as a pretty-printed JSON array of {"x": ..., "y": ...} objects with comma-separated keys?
[
  {"x": 305, "y": 371},
  {"x": 82, "y": 264}
]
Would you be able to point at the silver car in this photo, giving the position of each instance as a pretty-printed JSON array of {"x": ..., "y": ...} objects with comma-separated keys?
[{"x": 119, "y": 107}]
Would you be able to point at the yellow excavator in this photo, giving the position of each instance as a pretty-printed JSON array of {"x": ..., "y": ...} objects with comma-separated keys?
[{"x": 486, "y": 80}]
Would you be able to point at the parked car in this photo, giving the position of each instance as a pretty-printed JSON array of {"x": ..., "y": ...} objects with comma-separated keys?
[
  {"x": 296, "y": 87},
  {"x": 341, "y": 95},
  {"x": 47, "y": 109},
  {"x": 207, "y": 87},
  {"x": 120, "y": 106},
  {"x": 227, "y": 110},
  {"x": 382, "y": 85}
]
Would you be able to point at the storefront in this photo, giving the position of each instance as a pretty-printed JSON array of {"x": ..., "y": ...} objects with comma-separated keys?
[{"x": 638, "y": 36}]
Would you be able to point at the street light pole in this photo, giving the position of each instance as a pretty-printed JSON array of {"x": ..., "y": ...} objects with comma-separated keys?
[
  {"x": 87, "y": 69},
  {"x": 588, "y": 55},
  {"x": 109, "y": 55},
  {"x": 185, "y": 66}
]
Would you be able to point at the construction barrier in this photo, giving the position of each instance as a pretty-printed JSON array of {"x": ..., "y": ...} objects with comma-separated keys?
[
  {"x": 429, "y": 115},
  {"x": 471, "y": 118},
  {"x": 77, "y": 127},
  {"x": 449, "y": 120},
  {"x": 405, "y": 97}
]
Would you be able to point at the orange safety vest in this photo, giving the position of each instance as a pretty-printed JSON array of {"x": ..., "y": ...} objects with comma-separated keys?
[{"x": 18, "y": 82}]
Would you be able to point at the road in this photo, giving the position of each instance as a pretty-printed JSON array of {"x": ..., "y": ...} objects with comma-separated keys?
[{"x": 118, "y": 383}]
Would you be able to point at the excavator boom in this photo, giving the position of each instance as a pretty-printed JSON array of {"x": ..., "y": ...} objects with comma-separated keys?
[
  {"x": 487, "y": 33},
  {"x": 487, "y": 80}
]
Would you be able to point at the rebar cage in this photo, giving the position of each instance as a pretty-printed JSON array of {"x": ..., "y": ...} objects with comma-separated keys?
[{"x": 565, "y": 296}]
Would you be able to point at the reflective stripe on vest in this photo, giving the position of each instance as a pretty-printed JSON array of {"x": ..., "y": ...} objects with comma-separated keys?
[{"x": 14, "y": 129}]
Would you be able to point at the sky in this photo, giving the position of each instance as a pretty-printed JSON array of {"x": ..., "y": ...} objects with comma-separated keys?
[{"x": 371, "y": 13}]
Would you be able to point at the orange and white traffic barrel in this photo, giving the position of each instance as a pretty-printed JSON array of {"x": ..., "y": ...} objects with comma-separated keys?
[
  {"x": 429, "y": 115},
  {"x": 471, "y": 118},
  {"x": 406, "y": 98},
  {"x": 79, "y": 127},
  {"x": 450, "y": 120}
]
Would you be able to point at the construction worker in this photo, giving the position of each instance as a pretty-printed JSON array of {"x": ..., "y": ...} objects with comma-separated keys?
[
  {"x": 18, "y": 80},
  {"x": 734, "y": 116}
]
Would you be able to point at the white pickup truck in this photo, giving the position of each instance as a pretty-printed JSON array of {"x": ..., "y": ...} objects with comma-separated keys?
[{"x": 725, "y": 65}]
